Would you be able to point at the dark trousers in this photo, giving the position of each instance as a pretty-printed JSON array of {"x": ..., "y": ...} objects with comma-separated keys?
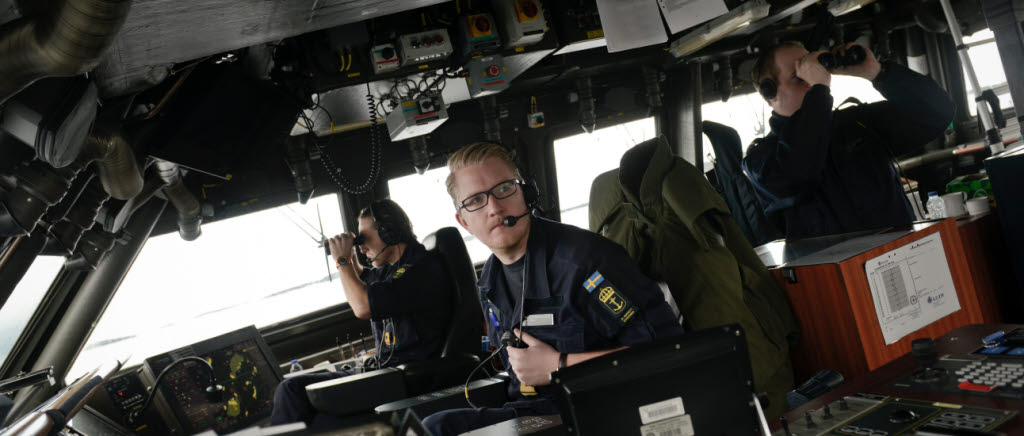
[
  {"x": 457, "y": 421},
  {"x": 290, "y": 401}
]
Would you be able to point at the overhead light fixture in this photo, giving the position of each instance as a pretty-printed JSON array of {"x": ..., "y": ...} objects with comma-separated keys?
[
  {"x": 841, "y": 7},
  {"x": 719, "y": 28}
]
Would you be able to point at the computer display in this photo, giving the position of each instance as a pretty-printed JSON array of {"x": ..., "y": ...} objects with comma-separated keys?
[{"x": 242, "y": 363}]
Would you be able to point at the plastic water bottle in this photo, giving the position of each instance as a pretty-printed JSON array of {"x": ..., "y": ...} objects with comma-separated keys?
[
  {"x": 295, "y": 366},
  {"x": 936, "y": 207}
]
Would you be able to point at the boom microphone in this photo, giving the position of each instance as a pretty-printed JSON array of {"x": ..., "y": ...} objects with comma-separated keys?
[{"x": 511, "y": 220}]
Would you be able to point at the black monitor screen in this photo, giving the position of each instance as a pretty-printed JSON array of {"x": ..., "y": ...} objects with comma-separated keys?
[
  {"x": 696, "y": 383},
  {"x": 243, "y": 365}
]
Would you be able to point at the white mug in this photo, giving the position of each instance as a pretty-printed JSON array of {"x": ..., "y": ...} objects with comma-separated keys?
[
  {"x": 977, "y": 206},
  {"x": 955, "y": 203}
]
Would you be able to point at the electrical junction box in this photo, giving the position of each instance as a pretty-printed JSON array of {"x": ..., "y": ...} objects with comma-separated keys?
[
  {"x": 385, "y": 58},
  {"x": 522, "y": 21},
  {"x": 416, "y": 117},
  {"x": 479, "y": 33},
  {"x": 535, "y": 120},
  {"x": 486, "y": 76},
  {"x": 425, "y": 46}
]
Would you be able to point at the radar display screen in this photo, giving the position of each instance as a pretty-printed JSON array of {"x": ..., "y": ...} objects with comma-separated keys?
[{"x": 241, "y": 363}]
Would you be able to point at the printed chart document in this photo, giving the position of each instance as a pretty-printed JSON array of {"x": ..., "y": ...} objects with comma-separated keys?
[
  {"x": 684, "y": 14},
  {"x": 630, "y": 24},
  {"x": 911, "y": 287}
]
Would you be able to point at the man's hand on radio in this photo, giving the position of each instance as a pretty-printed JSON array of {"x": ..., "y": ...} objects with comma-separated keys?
[
  {"x": 811, "y": 71},
  {"x": 533, "y": 364}
]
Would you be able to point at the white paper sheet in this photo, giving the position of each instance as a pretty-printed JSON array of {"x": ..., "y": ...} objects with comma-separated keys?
[
  {"x": 630, "y": 24},
  {"x": 911, "y": 287},
  {"x": 684, "y": 14}
]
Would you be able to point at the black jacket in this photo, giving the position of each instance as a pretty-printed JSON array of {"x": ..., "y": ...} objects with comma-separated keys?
[
  {"x": 410, "y": 306},
  {"x": 825, "y": 171}
]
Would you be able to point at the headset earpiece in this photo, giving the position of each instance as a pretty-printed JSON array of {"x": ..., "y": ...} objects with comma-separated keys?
[
  {"x": 385, "y": 224},
  {"x": 768, "y": 89}
]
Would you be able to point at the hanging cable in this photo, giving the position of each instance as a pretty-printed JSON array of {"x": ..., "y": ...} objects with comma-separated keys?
[{"x": 376, "y": 156}]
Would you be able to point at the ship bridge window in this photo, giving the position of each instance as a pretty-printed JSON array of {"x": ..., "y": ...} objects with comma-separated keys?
[
  {"x": 18, "y": 310},
  {"x": 989, "y": 68},
  {"x": 579, "y": 159},
  {"x": 255, "y": 269},
  {"x": 425, "y": 199}
]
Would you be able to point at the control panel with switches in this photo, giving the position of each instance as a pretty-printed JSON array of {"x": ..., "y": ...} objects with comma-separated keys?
[
  {"x": 874, "y": 415},
  {"x": 425, "y": 46}
]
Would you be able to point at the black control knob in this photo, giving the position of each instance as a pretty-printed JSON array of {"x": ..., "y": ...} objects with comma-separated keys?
[
  {"x": 924, "y": 352},
  {"x": 902, "y": 416},
  {"x": 785, "y": 426},
  {"x": 387, "y": 53},
  {"x": 827, "y": 413},
  {"x": 809, "y": 420},
  {"x": 843, "y": 405}
]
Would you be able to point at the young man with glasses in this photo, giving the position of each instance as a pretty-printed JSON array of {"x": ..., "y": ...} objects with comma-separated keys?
[{"x": 575, "y": 294}]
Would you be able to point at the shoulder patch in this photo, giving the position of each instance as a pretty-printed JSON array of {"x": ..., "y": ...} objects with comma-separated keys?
[
  {"x": 593, "y": 282},
  {"x": 400, "y": 271},
  {"x": 615, "y": 302}
]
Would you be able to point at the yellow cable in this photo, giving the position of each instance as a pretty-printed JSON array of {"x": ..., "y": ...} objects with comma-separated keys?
[
  {"x": 349, "y": 64},
  {"x": 303, "y": 125}
]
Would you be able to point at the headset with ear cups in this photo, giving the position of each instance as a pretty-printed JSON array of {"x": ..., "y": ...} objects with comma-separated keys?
[
  {"x": 531, "y": 193},
  {"x": 768, "y": 88},
  {"x": 382, "y": 216}
]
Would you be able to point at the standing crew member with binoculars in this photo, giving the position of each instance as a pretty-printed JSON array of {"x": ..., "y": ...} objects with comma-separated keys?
[{"x": 824, "y": 171}]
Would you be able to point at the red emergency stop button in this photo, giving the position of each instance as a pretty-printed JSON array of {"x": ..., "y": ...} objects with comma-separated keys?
[
  {"x": 482, "y": 24},
  {"x": 968, "y": 386},
  {"x": 493, "y": 71}
]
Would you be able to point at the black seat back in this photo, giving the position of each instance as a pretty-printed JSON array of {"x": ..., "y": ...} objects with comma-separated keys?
[{"x": 466, "y": 328}]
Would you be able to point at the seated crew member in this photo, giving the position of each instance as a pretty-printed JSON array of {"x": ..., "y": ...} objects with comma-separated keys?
[
  {"x": 407, "y": 296},
  {"x": 579, "y": 294},
  {"x": 823, "y": 171}
]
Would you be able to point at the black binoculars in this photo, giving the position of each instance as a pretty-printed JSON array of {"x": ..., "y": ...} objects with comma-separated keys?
[{"x": 853, "y": 56}]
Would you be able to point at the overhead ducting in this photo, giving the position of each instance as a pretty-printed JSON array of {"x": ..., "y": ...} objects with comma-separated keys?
[
  {"x": 54, "y": 117},
  {"x": 67, "y": 40},
  {"x": 36, "y": 186},
  {"x": 29, "y": 192},
  {"x": 115, "y": 162},
  {"x": 190, "y": 216},
  {"x": 65, "y": 233}
]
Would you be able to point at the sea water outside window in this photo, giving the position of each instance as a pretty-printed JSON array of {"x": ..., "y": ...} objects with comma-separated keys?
[
  {"x": 22, "y": 303},
  {"x": 425, "y": 199},
  {"x": 579, "y": 159},
  {"x": 255, "y": 269}
]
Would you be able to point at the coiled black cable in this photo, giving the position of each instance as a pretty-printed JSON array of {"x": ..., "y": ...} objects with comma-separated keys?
[{"x": 375, "y": 156}]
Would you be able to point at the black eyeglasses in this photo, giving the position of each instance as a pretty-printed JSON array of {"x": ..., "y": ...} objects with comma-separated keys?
[{"x": 502, "y": 190}]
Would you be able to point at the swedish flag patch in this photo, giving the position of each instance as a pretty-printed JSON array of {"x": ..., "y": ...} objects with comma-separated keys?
[
  {"x": 593, "y": 282},
  {"x": 610, "y": 298}
]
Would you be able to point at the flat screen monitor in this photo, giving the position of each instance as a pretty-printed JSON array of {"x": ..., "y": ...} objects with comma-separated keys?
[
  {"x": 697, "y": 383},
  {"x": 242, "y": 363}
]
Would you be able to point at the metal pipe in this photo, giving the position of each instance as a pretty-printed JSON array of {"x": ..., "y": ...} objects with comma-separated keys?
[
  {"x": 69, "y": 41},
  {"x": 983, "y": 111},
  {"x": 115, "y": 162},
  {"x": 85, "y": 309},
  {"x": 190, "y": 216},
  {"x": 939, "y": 155}
]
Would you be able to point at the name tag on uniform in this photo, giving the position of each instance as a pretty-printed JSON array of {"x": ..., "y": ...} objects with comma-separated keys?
[{"x": 539, "y": 320}]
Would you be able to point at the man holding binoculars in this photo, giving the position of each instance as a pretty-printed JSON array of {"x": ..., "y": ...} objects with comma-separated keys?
[{"x": 824, "y": 171}]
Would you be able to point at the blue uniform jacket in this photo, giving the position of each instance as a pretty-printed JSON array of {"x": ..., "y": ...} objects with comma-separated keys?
[
  {"x": 588, "y": 287},
  {"x": 825, "y": 172},
  {"x": 411, "y": 305}
]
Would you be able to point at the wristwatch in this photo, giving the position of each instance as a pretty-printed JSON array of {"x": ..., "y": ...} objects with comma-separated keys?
[{"x": 342, "y": 261}]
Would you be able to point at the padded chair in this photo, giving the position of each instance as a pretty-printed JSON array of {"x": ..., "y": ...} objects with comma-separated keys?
[{"x": 361, "y": 393}]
